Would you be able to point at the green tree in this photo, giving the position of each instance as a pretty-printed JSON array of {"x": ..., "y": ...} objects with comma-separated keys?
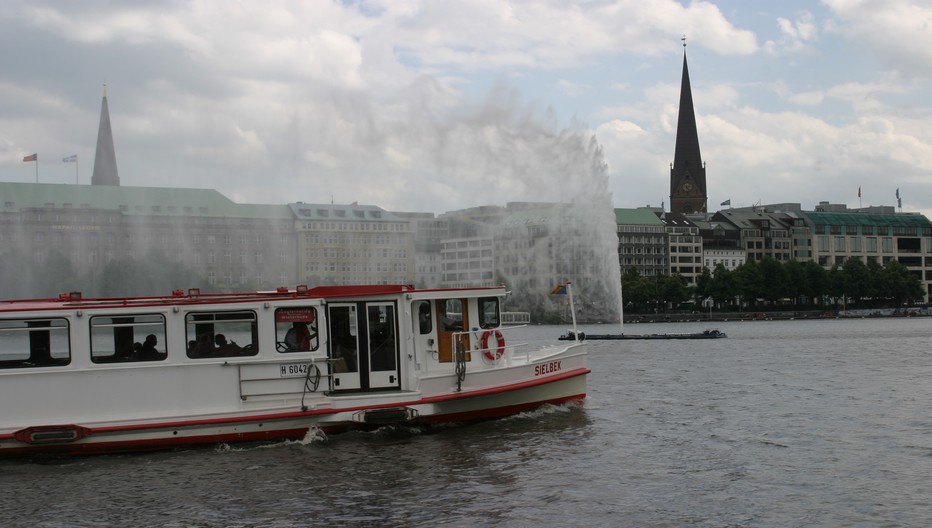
[
  {"x": 703, "y": 285},
  {"x": 750, "y": 281},
  {"x": 855, "y": 279},
  {"x": 672, "y": 290},
  {"x": 876, "y": 287},
  {"x": 816, "y": 281},
  {"x": 774, "y": 282},
  {"x": 635, "y": 291},
  {"x": 901, "y": 285},
  {"x": 723, "y": 288}
]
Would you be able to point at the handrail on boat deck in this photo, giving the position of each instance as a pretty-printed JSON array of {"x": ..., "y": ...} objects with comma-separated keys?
[{"x": 478, "y": 333}]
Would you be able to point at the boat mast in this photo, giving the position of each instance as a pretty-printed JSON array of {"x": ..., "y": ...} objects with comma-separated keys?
[{"x": 569, "y": 291}]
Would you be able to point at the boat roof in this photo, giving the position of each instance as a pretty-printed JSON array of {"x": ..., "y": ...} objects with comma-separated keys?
[{"x": 75, "y": 300}]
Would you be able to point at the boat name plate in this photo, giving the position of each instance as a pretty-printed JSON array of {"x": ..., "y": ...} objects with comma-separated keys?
[{"x": 289, "y": 370}]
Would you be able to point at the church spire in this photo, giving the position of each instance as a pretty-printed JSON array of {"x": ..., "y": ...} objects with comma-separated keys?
[
  {"x": 688, "y": 193},
  {"x": 105, "y": 168}
]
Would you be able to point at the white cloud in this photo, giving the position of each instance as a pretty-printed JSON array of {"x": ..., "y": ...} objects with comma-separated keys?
[
  {"x": 895, "y": 31},
  {"x": 390, "y": 102},
  {"x": 795, "y": 35}
]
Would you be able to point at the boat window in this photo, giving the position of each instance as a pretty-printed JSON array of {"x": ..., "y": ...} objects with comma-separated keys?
[
  {"x": 221, "y": 334},
  {"x": 451, "y": 315},
  {"x": 296, "y": 329},
  {"x": 489, "y": 314},
  {"x": 34, "y": 343},
  {"x": 128, "y": 338},
  {"x": 425, "y": 323},
  {"x": 383, "y": 352}
]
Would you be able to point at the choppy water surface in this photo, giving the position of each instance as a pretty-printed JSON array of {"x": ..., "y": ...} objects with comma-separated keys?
[{"x": 804, "y": 423}]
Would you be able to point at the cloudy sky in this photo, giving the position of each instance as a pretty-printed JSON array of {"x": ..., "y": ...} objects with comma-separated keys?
[{"x": 437, "y": 105}]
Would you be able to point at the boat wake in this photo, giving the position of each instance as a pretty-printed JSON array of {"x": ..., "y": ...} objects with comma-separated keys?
[{"x": 545, "y": 410}]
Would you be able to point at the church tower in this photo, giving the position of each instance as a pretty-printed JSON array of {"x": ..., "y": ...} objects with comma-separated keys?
[
  {"x": 105, "y": 167},
  {"x": 688, "y": 192}
]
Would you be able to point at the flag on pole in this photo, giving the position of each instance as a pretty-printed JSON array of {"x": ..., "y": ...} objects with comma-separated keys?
[
  {"x": 727, "y": 202},
  {"x": 31, "y": 157},
  {"x": 70, "y": 159},
  {"x": 559, "y": 289},
  {"x": 859, "y": 192},
  {"x": 897, "y": 193}
]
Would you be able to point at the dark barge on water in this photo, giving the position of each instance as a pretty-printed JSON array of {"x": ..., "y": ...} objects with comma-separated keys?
[{"x": 581, "y": 336}]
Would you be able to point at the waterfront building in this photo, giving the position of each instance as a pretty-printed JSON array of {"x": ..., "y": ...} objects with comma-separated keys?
[
  {"x": 352, "y": 244},
  {"x": 762, "y": 234},
  {"x": 429, "y": 234},
  {"x": 468, "y": 262},
  {"x": 642, "y": 241},
  {"x": 233, "y": 246},
  {"x": 841, "y": 235},
  {"x": 684, "y": 246},
  {"x": 721, "y": 244}
]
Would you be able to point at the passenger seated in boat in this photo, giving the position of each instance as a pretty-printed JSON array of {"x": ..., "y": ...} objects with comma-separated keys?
[
  {"x": 126, "y": 352},
  {"x": 148, "y": 352},
  {"x": 424, "y": 318},
  {"x": 225, "y": 348},
  {"x": 204, "y": 347},
  {"x": 298, "y": 337}
]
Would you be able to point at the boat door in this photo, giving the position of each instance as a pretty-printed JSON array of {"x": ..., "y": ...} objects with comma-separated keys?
[
  {"x": 364, "y": 345},
  {"x": 344, "y": 346},
  {"x": 382, "y": 345},
  {"x": 452, "y": 318}
]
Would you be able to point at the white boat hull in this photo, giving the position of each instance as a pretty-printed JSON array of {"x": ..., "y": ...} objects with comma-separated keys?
[{"x": 455, "y": 407}]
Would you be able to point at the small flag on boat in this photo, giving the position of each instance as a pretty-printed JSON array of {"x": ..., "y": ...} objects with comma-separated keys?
[
  {"x": 31, "y": 157},
  {"x": 70, "y": 159},
  {"x": 559, "y": 289}
]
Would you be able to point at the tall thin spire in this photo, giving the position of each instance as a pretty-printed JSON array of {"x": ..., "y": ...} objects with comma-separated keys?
[
  {"x": 688, "y": 193},
  {"x": 105, "y": 167}
]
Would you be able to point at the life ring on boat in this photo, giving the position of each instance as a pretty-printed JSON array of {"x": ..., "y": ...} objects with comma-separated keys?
[{"x": 499, "y": 351}]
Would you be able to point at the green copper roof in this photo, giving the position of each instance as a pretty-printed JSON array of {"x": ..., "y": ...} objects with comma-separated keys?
[
  {"x": 637, "y": 217},
  {"x": 162, "y": 201},
  {"x": 867, "y": 219}
]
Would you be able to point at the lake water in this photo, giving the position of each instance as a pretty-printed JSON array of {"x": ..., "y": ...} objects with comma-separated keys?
[{"x": 808, "y": 423}]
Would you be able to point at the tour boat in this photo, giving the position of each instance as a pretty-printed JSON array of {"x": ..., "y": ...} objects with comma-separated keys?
[{"x": 103, "y": 375}]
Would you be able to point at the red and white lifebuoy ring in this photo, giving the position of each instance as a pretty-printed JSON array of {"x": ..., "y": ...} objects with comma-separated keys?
[{"x": 499, "y": 350}]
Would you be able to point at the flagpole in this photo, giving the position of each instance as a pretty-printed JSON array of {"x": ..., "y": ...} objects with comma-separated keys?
[
  {"x": 569, "y": 291},
  {"x": 75, "y": 169},
  {"x": 37, "y": 168}
]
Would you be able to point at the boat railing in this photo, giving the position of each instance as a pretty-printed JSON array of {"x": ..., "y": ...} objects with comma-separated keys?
[
  {"x": 493, "y": 343},
  {"x": 276, "y": 378}
]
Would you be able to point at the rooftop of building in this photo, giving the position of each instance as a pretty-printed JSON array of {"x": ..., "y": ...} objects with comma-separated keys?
[
  {"x": 340, "y": 212},
  {"x": 853, "y": 218},
  {"x": 639, "y": 216},
  {"x": 160, "y": 201}
]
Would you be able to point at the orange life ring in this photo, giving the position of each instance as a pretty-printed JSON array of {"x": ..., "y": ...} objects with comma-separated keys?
[{"x": 499, "y": 351}]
